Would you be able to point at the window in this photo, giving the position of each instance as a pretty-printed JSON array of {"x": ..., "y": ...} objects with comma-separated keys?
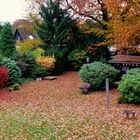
[{"x": 30, "y": 37}]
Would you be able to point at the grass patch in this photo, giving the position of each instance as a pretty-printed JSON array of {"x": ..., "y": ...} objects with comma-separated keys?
[
  {"x": 11, "y": 128},
  {"x": 74, "y": 127}
]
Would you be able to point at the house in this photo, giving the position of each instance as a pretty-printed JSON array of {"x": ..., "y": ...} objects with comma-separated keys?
[{"x": 21, "y": 34}]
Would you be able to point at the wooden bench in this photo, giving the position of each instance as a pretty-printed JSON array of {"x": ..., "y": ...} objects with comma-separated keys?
[
  {"x": 50, "y": 78},
  {"x": 130, "y": 113}
]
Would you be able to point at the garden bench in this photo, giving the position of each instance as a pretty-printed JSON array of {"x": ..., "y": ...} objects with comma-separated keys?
[
  {"x": 130, "y": 113},
  {"x": 50, "y": 78}
]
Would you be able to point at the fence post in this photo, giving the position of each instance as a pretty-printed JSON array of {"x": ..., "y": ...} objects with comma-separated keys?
[{"x": 107, "y": 95}]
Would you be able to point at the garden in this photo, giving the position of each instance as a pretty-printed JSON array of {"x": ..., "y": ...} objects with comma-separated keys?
[
  {"x": 52, "y": 87},
  {"x": 42, "y": 111}
]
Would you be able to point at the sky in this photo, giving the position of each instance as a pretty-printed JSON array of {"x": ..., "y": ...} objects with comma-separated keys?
[{"x": 10, "y": 10}]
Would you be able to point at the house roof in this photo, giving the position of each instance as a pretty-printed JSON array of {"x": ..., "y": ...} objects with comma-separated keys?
[
  {"x": 25, "y": 33},
  {"x": 125, "y": 59}
]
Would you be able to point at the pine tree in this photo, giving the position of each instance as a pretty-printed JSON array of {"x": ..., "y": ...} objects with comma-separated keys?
[
  {"x": 0, "y": 27},
  {"x": 56, "y": 25},
  {"x": 7, "y": 42}
]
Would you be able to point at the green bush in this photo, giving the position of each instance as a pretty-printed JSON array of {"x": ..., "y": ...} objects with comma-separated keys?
[
  {"x": 29, "y": 57},
  {"x": 77, "y": 58},
  {"x": 40, "y": 72},
  {"x": 129, "y": 87},
  {"x": 1, "y": 57},
  {"x": 133, "y": 71},
  {"x": 60, "y": 56},
  {"x": 96, "y": 73},
  {"x": 14, "y": 71},
  {"x": 27, "y": 64}
]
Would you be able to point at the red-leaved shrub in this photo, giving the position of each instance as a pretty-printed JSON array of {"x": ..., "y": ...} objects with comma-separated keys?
[{"x": 3, "y": 77}]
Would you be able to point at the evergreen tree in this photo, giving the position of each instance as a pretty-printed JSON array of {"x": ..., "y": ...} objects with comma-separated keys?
[
  {"x": 1, "y": 27},
  {"x": 56, "y": 25},
  {"x": 7, "y": 42}
]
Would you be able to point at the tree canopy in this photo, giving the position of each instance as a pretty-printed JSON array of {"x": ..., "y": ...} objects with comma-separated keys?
[
  {"x": 56, "y": 25},
  {"x": 7, "y": 42},
  {"x": 118, "y": 20}
]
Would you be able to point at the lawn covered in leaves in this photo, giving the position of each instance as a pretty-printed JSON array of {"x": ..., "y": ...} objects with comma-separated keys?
[{"x": 56, "y": 110}]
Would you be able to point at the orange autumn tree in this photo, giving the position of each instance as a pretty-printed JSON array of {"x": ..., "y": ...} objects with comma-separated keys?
[
  {"x": 96, "y": 12},
  {"x": 119, "y": 20},
  {"x": 125, "y": 20}
]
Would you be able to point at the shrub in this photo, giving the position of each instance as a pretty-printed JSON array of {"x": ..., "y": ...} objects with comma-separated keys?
[
  {"x": 1, "y": 57},
  {"x": 38, "y": 52},
  {"x": 129, "y": 87},
  {"x": 27, "y": 64},
  {"x": 40, "y": 71},
  {"x": 77, "y": 58},
  {"x": 14, "y": 71},
  {"x": 28, "y": 57},
  {"x": 3, "y": 77},
  {"x": 60, "y": 55},
  {"x": 47, "y": 62},
  {"x": 134, "y": 71},
  {"x": 96, "y": 73},
  {"x": 28, "y": 45},
  {"x": 24, "y": 68},
  {"x": 97, "y": 53}
]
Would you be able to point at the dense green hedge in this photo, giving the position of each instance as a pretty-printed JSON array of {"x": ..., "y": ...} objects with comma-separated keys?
[
  {"x": 96, "y": 73},
  {"x": 129, "y": 87}
]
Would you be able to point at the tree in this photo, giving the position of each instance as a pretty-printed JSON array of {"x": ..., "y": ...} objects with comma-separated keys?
[
  {"x": 7, "y": 42},
  {"x": 56, "y": 25},
  {"x": 95, "y": 10},
  {"x": 125, "y": 20},
  {"x": 95, "y": 41},
  {"x": 1, "y": 27},
  {"x": 118, "y": 20},
  {"x": 23, "y": 23}
]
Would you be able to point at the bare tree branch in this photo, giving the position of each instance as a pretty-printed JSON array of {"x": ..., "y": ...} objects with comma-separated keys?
[{"x": 85, "y": 14}]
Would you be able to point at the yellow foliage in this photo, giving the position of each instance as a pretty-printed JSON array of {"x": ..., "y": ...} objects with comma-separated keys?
[
  {"x": 28, "y": 45},
  {"x": 39, "y": 52},
  {"x": 47, "y": 62}
]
